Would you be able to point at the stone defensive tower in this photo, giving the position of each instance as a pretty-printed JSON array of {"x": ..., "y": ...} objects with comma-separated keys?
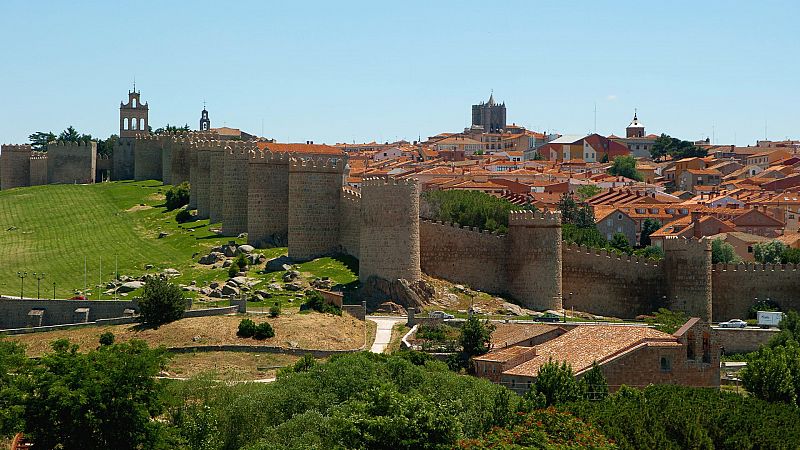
[
  {"x": 122, "y": 168},
  {"x": 314, "y": 191},
  {"x": 147, "y": 162},
  {"x": 389, "y": 243},
  {"x": 268, "y": 198},
  {"x": 133, "y": 116},
  {"x": 216, "y": 183},
  {"x": 38, "y": 168},
  {"x": 687, "y": 269},
  {"x": 15, "y": 166},
  {"x": 534, "y": 259},
  {"x": 71, "y": 162},
  {"x": 234, "y": 195},
  {"x": 202, "y": 178}
]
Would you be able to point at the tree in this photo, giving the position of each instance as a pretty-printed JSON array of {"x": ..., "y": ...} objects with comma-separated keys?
[
  {"x": 13, "y": 362},
  {"x": 106, "y": 398},
  {"x": 107, "y": 338},
  {"x": 660, "y": 147},
  {"x": 588, "y": 191},
  {"x": 72, "y": 135},
  {"x": 722, "y": 252},
  {"x": 620, "y": 242},
  {"x": 596, "y": 383},
  {"x": 773, "y": 373},
  {"x": 667, "y": 321},
  {"x": 649, "y": 226},
  {"x": 769, "y": 252},
  {"x": 790, "y": 330},
  {"x": 676, "y": 148},
  {"x": 625, "y": 166},
  {"x": 468, "y": 208},
  {"x": 589, "y": 236},
  {"x": 171, "y": 129},
  {"x": 40, "y": 139},
  {"x": 651, "y": 251},
  {"x": 791, "y": 256},
  {"x": 568, "y": 208},
  {"x": 162, "y": 302},
  {"x": 557, "y": 384},
  {"x": 584, "y": 218},
  {"x": 177, "y": 196},
  {"x": 475, "y": 336}
]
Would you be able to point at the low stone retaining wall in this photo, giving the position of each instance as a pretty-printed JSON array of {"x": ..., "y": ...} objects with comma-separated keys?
[
  {"x": 743, "y": 340},
  {"x": 357, "y": 311},
  {"x": 261, "y": 349}
]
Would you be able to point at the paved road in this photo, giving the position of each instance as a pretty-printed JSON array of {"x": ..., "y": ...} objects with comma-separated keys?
[{"x": 384, "y": 333}]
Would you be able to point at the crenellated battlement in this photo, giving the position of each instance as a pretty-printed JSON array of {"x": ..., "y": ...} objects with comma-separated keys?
[
  {"x": 534, "y": 218},
  {"x": 26, "y": 148},
  {"x": 409, "y": 184},
  {"x": 607, "y": 254},
  {"x": 258, "y": 156},
  {"x": 755, "y": 267},
  {"x": 350, "y": 195},
  {"x": 238, "y": 150},
  {"x": 317, "y": 164},
  {"x": 38, "y": 155},
  {"x": 68, "y": 144},
  {"x": 675, "y": 243},
  {"x": 463, "y": 228}
]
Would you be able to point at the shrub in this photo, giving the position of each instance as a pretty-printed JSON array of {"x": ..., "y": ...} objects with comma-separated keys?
[
  {"x": 558, "y": 384},
  {"x": 233, "y": 270},
  {"x": 107, "y": 338},
  {"x": 162, "y": 302},
  {"x": 431, "y": 332},
  {"x": 470, "y": 208},
  {"x": 177, "y": 196},
  {"x": 264, "y": 331},
  {"x": 241, "y": 261},
  {"x": 247, "y": 328},
  {"x": 316, "y": 302},
  {"x": 183, "y": 216},
  {"x": 275, "y": 310}
]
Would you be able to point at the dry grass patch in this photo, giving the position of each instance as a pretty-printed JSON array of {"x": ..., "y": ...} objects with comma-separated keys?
[
  {"x": 229, "y": 365},
  {"x": 308, "y": 331}
]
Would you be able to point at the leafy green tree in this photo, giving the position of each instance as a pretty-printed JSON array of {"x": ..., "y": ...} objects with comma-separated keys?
[
  {"x": 791, "y": 256},
  {"x": 247, "y": 328},
  {"x": 107, "y": 338},
  {"x": 649, "y": 226},
  {"x": 40, "y": 139},
  {"x": 790, "y": 330},
  {"x": 589, "y": 236},
  {"x": 625, "y": 166},
  {"x": 620, "y": 242},
  {"x": 107, "y": 398},
  {"x": 13, "y": 362},
  {"x": 651, "y": 251},
  {"x": 316, "y": 302},
  {"x": 665, "y": 145},
  {"x": 568, "y": 208},
  {"x": 241, "y": 261},
  {"x": 769, "y": 252},
  {"x": 162, "y": 302},
  {"x": 660, "y": 147},
  {"x": 667, "y": 321},
  {"x": 171, "y": 129},
  {"x": 105, "y": 147},
  {"x": 584, "y": 217},
  {"x": 72, "y": 135},
  {"x": 596, "y": 383},
  {"x": 177, "y": 196},
  {"x": 773, "y": 373},
  {"x": 557, "y": 384},
  {"x": 264, "y": 331},
  {"x": 275, "y": 310},
  {"x": 723, "y": 252},
  {"x": 475, "y": 336},
  {"x": 588, "y": 191},
  {"x": 469, "y": 208}
]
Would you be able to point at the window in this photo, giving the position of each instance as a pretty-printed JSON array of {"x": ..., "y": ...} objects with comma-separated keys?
[
  {"x": 619, "y": 216},
  {"x": 666, "y": 364},
  {"x": 513, "y": 382}
]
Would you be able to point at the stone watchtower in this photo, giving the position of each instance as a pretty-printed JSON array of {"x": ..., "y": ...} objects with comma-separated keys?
[
  {"x": 534, "y": 259},
  {"x": 687, "y": 267},
  {"x": 314, "y": 191},
  {"x": 389, "y": 242},
  {"x": 268, "y": 198},
  {"x": 201, "y": 183},
  {"x": 234, "y": 191},
  {"x": 133, "y": 116},
  {"x": 15, "y": 166}
]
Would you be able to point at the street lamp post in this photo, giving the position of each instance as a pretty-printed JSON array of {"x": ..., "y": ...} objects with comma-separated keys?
[
  {"x": 39, "y": 277},
  {"x": 54, "y": 290},
  {"x": 22, "y": 276}
]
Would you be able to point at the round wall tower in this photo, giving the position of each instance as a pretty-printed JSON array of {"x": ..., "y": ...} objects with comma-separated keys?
[
  {"x": 534, "y": 259},
  {"x": 268, "y": 198},
  {"x": 234, "y": 193}
]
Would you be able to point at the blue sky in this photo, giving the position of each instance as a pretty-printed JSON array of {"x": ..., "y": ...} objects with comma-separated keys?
[{"x": 344, "y": 71}]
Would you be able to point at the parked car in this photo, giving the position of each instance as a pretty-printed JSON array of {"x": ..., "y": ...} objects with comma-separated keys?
[
  {"x": 441, "y": 315},
  {"x": 548, "y": 317},
  {"x": 733, "y": 323}
]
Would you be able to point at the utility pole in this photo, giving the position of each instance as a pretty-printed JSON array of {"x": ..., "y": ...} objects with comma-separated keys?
[
  {"x": 54, "y": 290},
  {"x": 39, "y": 278},
  {"x": 22, "y": 276}
]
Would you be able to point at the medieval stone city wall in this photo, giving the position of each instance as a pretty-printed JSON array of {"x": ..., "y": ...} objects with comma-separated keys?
[
  {"x": 166, "y": 143},
  {"x": 123, "y": 160},
  {"x": 350, "y": 222},
  {"x": 191, "y": 158},
  {"x": 216, "y": 183},
  {"x": 736, "y": 287},
  {"x": 314, "y": 190},
  {"x": 38, "y": 170},
  {"x": 268, "y": 198},
  {"x": 601, "y": 282},
  {"x": 687, "y": 269},
  {"x": 15, "y": 166},
  {"x": 147, "y": 158},
  {"x": 201, "y": 185},
  {"x": 473, "y": 257},
  {"x": 179, "y": 162},
  {"x": 71, "y": 162},
  {"x": 105, "y": 166},
  {"x": 389, "y": 245},
  {"x": 234, "y": 195}
]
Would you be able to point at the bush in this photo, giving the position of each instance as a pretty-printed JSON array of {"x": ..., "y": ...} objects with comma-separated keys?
[
  {"x": 107, "y": 338},
  {"x": 247, "y": 328},
  {"x": 275, "y": 310},
  {"x": 233, "y": 270},
  {"x": 177, "y": 196},
  {"x": 162, "y": 302},
  {"x": 241, "y": 262},
  {"x": 183, "y": 216},
  {"x": 264, "y": 331},
  {"x": 316, "y": 302},
  {"x": 470, "y": 208}
]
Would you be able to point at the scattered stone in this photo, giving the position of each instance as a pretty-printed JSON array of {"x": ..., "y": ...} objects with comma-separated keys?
[
  {"x": 391, "y": 308},
  {"x": 130, "y": 286},
  {"x": 215, "y": 294},
  {"x": 255, "y": 259},
  {"x": 193, "y": 283},
  {"x": 263, "y": 294},
  {"x": 451, "y": 298},
  {"x": 212, "y": 258},
  {"x": 227, "y": 263},
  {"x": 171, "y": 272},
  {"x": 148, "y": 266},
  {"x": 246, "y": 249},
  {"x": 229, "y": 290},
  {"x": 513, "y": 309},
  {"x": 162, "y": 235},
  {"x": 229, "y": 250},
  {"x": 242, "y": 235},
  {"x": 205, "y": 291},
  {"x": 196, "y": 339},
  {"x": 400, "y": 291},
  {"x": 279, "y": 263},
  {"x": 290, "y": 275},
  {"x": 322, "y": 283},
  {"x": 275, "y": 287},
  {"x": 295, "y": 286},
  {"x": 240, "y": 281},
  {"x": 214, "y": 285},
  {"x": 459, "y": 288},
  {"x": 12, "y": 228}
]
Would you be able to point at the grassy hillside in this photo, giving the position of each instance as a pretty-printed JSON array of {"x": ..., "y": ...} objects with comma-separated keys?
[{"x": 51, "y": 229}]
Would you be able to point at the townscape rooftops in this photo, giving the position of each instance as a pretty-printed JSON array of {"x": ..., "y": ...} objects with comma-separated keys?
[
  {"x": 506, "y": 335},
  {"x": 315, "y": 149}
]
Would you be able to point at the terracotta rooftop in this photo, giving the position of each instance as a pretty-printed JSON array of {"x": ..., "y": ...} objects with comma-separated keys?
[
  {"x": 585, "y": 344},
  {"x": 311, "y": 149},
  {"x": 503, "y": 354},
  {"x": 507, "y": 334}
]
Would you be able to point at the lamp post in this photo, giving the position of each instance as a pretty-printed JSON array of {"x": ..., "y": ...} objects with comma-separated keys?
[
  {"x": 22, "y": 276},
  {"x": 39, "y": 277},
  {"x": 54, "y": 290}
]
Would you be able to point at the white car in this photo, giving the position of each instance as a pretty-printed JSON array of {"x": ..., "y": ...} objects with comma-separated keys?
[
  {"x": 440, "y": 315},
  {"x": 733, "y": 323}
]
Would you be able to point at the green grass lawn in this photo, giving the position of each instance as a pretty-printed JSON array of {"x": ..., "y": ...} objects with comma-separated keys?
[{"x": 51, "y": 229}]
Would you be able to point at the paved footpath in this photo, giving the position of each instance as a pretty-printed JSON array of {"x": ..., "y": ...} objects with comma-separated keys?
[{"x": 384, "y": 333}]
